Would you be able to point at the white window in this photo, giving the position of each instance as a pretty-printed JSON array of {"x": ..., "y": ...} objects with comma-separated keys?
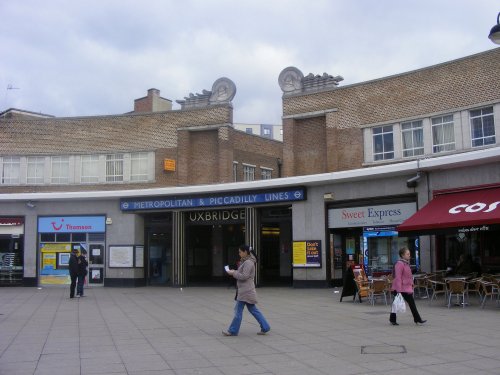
[
  {"x": 235, "y": 171},
  {"x": 60, "y": 170},
  {"x": 248, "y": 173},
  {"x": 11, "y": 167},
  {"x": 383, "y": 143},
  {"x": 413, "y": 138},
  {"x": 35, "y": 168},
  {"x": 266, "y": 173},
  {"x": 90, "y": 168},
  {"x": 139, "y": 166},
  {"x": 281, "y": 131},
  {"x": 114, "y": 167},
  {"x": 443, "y": 134},
  {"x": 267, "y": 131},
  {"x": 482, "y": 127}
]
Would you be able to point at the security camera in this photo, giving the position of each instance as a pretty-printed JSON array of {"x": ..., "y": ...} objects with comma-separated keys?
[{"x": 413, "y": 182}]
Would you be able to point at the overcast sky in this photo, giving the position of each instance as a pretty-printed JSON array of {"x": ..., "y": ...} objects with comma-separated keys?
[{"x": 94, "y": 57}]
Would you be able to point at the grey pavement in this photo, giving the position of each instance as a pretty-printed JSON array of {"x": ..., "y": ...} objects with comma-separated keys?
[{"x": 153, "y": 331}]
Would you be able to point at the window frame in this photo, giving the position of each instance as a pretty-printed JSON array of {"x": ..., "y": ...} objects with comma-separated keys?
[
  {"x": 37, "y": 162},
  {"x": 10, "y": 165},
  {"x": 481, "y": 117},
  {"x": 385, "y": 130},
  {"x": 249, "y": 172},
  {"x": 442, "y": 125},
  {"x": 141, "y": 157},
  {"x": 115, "y": 167},
  {"x": 415, "y": 126},
  {"x": 64, "y": 173}
]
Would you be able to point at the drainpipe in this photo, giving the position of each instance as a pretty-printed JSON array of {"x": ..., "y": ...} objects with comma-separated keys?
[{"x": 280, "y": 163}]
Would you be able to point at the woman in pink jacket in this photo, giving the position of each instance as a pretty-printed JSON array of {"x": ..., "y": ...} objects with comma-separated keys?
[{"x": 403, "y": 283}]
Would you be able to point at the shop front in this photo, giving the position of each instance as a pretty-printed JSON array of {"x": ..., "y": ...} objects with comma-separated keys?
[
  {"x": 59, "y": 235},
  {"x": 366, "y": 235},
  {"x": 465, "y": 223},
  {"x": 11, "y": 250}
]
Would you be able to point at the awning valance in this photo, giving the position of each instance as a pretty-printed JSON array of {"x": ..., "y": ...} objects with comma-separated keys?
[{"x": 476, "y": 210}]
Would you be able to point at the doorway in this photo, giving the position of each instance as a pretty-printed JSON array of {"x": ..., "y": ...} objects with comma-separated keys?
[{"x": 159, "y": 258}]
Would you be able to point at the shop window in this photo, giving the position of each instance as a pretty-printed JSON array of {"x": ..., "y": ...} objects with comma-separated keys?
[
  {"x": 482, "y": 127},
  {"x": 443, "y": 134},
  {"x": 47, "y": 237},
  {"x": 79, "y": 237},
  {"x": 383, "y": 143},
  {"x": 63, "y": 237}
]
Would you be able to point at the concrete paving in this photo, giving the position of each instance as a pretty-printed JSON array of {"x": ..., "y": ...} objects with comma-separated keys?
[{"x": 153, "y": 331}]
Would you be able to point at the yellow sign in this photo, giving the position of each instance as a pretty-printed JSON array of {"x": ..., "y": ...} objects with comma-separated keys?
[
  {"x": 55, "y": 247},
  {"x": 169, "y": 165},
  {"x": 49, "y": 260},
  {"x": 299, "y": 253}
]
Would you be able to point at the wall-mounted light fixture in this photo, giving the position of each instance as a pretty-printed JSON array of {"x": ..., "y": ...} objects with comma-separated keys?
[
  {"x": 30, "y": 204},
  {"x": 413, "y": 182},
  {"x": 495, "y": 32}
]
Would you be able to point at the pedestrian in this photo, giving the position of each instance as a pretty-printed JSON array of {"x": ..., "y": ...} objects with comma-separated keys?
[
  {"x": 82, "y": 272},
  {"x": 403, "y": 283},
  {"x": 73, "y": 271},
  {"x": 246, "y": 294}
]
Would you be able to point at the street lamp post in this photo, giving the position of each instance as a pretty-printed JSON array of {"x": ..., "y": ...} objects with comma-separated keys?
[{"x": 495, "y": 32}]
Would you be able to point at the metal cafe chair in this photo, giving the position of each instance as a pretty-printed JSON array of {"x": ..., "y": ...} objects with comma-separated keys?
[
  {"x": 456, "y": 288},
  {"x": 489, "y": 289},
  {"x": 438, "y": 287},
  {"x": 378, "y": 288}
]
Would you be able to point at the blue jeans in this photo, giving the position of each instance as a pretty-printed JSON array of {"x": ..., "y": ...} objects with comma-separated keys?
[{"x": 234, "y": 328}]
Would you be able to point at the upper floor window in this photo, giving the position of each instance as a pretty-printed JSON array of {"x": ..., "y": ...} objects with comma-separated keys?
[
  {"x": 249, "y": 130},
  {"x": 90, "y": 168},
  {"x": 114, "y": 167},
  {"x": 266, "y": 131},
  {"x": 34, "y": 170},
  {"x": 482, "y": 127},
  {"x": 60, "y": 170},
  {"x": 443, "y": 134},
  {"x": 413, "y": 138},
  {"x": 248, "y": 173},
  {"x": 11, "y": 167},
  {"x": 266, "y": 174},
  {"x": 383, "y": 143},
  {"x": 139, "y": 166},
  {"x": 235, "y": 171}
]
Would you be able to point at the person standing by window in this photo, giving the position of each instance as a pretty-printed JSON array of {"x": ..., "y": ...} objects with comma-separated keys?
[
  {"x": 82, "y": 272},
  {"x": 246, "y": 294},
  {"x": 73, "y": 271},
  {"x": 403, "y": 283}
]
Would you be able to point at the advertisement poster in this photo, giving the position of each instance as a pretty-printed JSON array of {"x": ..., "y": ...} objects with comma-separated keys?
[{"x": 307, "y": 253}]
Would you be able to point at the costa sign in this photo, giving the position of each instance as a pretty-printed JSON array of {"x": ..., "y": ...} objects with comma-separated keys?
[{"x": 476, "y": 207}]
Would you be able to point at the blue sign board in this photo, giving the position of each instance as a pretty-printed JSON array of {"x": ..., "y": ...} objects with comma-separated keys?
[
  {"x": 238, "y": 199},
  {"x": 71, "y": 224}
]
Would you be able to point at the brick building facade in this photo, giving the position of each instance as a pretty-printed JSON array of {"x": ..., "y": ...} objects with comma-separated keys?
[{"x": 323, "y": 126}]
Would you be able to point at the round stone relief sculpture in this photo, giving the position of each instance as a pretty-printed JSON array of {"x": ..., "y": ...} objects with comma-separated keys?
[
  {"x": 223, "y": 90},
  {"x": 290, "y": 79}
]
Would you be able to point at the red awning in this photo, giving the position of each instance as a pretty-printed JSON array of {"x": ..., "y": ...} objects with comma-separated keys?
[{"x": 476, "y": 210}]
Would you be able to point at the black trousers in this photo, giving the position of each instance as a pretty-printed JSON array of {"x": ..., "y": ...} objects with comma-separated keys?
[
  {"x": 408, "y": 297},
  {"x": 73, "y": 285}
]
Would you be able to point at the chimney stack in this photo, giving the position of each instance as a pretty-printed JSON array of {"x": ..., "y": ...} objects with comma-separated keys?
[{"x": 153, "y": 102}]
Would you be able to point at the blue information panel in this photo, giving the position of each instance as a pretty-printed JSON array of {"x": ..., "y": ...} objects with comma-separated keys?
[{"x": 159, "y": 203}]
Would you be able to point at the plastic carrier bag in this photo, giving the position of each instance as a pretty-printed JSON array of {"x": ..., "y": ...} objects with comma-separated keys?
[{"x": 398, "y": 305}]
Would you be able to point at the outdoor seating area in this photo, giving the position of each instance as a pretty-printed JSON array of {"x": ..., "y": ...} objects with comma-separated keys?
[{"x": 457, "y": 289}]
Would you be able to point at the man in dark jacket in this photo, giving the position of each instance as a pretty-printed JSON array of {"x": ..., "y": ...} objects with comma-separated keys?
[
  {"x": 82, "y": 272},
  {"x": 73, "y": 271}
]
